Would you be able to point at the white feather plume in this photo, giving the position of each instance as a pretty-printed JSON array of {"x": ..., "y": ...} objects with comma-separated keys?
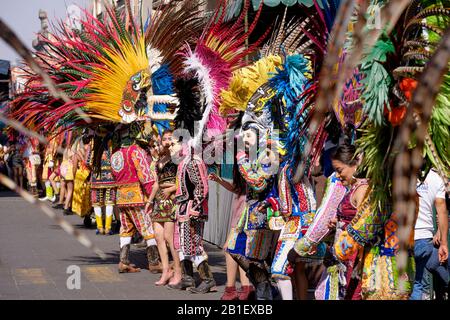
[{"x": 194, "y": 64}]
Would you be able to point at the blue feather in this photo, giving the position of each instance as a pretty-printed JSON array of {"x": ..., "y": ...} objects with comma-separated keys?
[
  {"x": 147, "y": 21},
  {"x": 290, "y": 82},
  {"x": 162, "y": 83},
  {"x": 330, "y": 8}
]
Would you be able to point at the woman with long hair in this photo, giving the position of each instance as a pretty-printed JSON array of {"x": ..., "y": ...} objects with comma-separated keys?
[
  {"x": 163, "y": 212},
  {"x": 345, "y": 163}
]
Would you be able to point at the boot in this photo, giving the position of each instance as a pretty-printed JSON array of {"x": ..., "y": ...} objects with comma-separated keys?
[
  {"x": 208, "y": 283},
  {"x": 58, "y": 206},
  {"x": 230, "y": 293},
  {"x": 187, "y": 281},
  {"x": 264, "y": 291},
  {"x": 154, "y": 265},
  {"x": 124, "y": 265},
  {"x": 48, "y": 192},
  {"x": 259, "y": 277},
  {"x": 108, "y": 223},
  {"x": 246, "y": 293},
  {"x": 55, "y": 198},
  {"x": 99, "y": 221}
]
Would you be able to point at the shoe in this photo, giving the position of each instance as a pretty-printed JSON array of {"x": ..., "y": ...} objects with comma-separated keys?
[
  {"x": 124, "y": 268},
  {"x": 246, "y": 293},
  {"x": 67, "y": 212},
  {"x": 56, "y": 196},
  {"x": 108, "y": 232},
  {"x": 163, "y": 283},
  {"x": 43, "y": 199},
  {"x": 52, "y": 199},
  {"x": 154, "y": 265},
  {"x": 205, "y": 286},
  {"x": 58, "y": 206},
  {"x": 100, "y": 231},
  {"x": 186, "y": 282},
  {"x": 230, "y": 293},
  {"x": 264, "y": 291},
  {"x": 124, "y": 265},
  {"x": 208, "y": 283}
]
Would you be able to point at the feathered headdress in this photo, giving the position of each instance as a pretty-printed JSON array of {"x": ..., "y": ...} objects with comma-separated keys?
[
  {"x": 107, "y": 67},
  {"x": 388, "y": 88},
  {"x": 245, "y": 82},
  {"x": 218, "y": 52}
]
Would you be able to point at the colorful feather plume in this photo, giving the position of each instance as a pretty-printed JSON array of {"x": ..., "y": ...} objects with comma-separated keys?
[
  {"x": 104, "y": 67},
  {"x": 218, "y": 52},
  {"x": 245, "y": 82}
]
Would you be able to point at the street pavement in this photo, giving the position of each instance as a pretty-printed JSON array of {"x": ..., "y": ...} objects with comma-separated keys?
[{"x": 36, "y": 255}]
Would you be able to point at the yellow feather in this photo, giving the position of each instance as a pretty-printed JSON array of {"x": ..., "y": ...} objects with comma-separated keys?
[
  {"x": 109, "y": 82},
  {"x": 245, "y": 82}
]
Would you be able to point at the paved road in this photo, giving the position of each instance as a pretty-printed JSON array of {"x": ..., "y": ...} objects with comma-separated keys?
[{"x": 35, "y": 254}]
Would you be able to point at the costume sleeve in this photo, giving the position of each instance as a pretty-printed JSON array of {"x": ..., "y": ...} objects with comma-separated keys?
[
  {"x": 334, "y": 193},
  {"x": 142, "y": 165},
  {"x": 285, "y": 194},
  {"x": 255, "y": 177},
  {"x": 197, "y": 173}
]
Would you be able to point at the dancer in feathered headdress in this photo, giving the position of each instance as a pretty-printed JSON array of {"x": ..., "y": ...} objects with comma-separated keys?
[
  {"x": 391, "y": 71},
  {"x": 269, "y": 92},
  {"x": 116, "y": 73},
  {"x": 207, "y": 70}
]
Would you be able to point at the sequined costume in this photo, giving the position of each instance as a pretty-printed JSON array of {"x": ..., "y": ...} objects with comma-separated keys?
[
  {"x": 371, "y": 241},
  {"x": 103, "y": 189},
  {"x": 131, "y": 169},
  {"x": 192, "y": 202},
  {"x": 318, "y": 230},
  {"x": 81, "y": 201},
  {"x": 298, "y": 207},
  {"x": 252, "y": 239}
]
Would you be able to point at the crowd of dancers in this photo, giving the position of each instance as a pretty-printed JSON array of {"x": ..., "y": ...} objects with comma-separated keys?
[{"x": 150, "y": 104}]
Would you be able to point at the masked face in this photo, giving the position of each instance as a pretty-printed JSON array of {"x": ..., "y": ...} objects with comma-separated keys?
[
  {"x": 176, "y": 150},
  {"x": 249, "y": 138},
  {"x": 130, "y": 108}
]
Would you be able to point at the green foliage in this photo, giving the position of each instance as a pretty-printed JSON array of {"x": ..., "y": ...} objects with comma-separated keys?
[
  {"x": 377, "y": 82},
  {"x": 375, "y": 144}
]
